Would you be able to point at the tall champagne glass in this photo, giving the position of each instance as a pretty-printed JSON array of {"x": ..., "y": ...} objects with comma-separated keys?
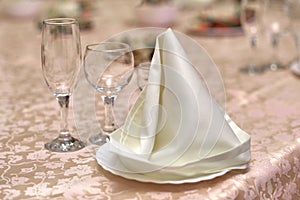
[
  {"x": 276, "y": 22},
  {"x": 251, "y": 22},
  {"x": 61, "y": 61},
  {"x": 108, "y": 68}
]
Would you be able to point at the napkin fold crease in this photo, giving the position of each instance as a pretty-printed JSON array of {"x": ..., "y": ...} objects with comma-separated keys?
[{"x": 175, "y": 129}]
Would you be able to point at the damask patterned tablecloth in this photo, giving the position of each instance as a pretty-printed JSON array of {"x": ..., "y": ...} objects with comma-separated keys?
[{"x": 267, "y": 106}]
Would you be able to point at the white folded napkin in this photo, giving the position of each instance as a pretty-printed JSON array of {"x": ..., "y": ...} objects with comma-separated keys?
[{"x": 175, "y": 130}]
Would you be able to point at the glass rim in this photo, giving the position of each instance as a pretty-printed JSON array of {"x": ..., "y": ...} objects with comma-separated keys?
[
  {"x": 60, "y": 21},
  {"x": 123, "y": 46}
]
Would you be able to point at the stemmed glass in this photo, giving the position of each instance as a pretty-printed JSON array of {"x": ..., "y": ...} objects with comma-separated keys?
[
  {"x": 142, "y": 71},
  {"x": 276, "y": 21},
  {"x": 251, "y": 22},
  {"x": 108, "y": 67},
  {"x": 61, "y": 61},
  {"x": 295, "y": 28}
]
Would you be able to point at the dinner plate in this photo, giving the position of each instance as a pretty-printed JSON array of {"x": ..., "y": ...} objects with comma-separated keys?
[
  {"x": 146, "y": 179},
  {"x": 154, "y": 177},
  {"x": 111, "y": 161}
]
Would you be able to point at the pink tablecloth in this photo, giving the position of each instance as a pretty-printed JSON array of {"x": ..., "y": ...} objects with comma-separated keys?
[{"x": 266, "y": 106}]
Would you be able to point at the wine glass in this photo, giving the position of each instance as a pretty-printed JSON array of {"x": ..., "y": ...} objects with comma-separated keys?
[
  {"x": 61, "y": 61},
  {"x": 276, "y": 21},
  {"x": 142, "y": 62},
  {"x": 251, "y": 22},
  {"x": 295, "y": 29},
  {"x": 142, "y": 71},
  {"x": 108, "y": 67}
]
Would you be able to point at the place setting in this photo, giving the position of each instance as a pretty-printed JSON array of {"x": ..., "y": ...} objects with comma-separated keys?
[
  {"x": 165, "y": 138},
  {"x": 175, "y": 131}
]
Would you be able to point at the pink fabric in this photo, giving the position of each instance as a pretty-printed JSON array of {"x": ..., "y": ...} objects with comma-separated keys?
[{"x": 266, "y": 106}]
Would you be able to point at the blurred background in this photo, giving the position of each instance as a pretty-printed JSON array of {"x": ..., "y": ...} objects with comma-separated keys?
[
  {"x": 203, "y": 20},
  {"x": 138, "y": 12}
]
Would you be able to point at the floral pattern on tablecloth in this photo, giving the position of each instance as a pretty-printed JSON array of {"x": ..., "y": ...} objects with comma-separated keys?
[{"x": 268, "y": 109}]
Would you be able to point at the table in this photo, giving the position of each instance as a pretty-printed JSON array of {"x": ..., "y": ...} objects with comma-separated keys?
[{"x": 266, "y": 106}]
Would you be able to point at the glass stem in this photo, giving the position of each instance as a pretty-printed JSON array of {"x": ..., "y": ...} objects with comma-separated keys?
[
  {"x": 63, "y": 102},
  {"x": 109, "y": 121},
  {"x": 253, "y": 44},
  {"x": 274, "y": 40}
]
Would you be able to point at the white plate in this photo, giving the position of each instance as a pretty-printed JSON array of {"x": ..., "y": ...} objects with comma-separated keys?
[
  {"x": 157, "y": 179},
  {"x": 146, "y": 179},
  {"x": 111, "y": 162}
]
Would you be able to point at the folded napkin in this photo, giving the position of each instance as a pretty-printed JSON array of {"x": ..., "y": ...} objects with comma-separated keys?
[{"x": 175, "y": 130}]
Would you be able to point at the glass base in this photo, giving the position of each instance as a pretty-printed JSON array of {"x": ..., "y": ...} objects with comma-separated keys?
[
  {"x": 252, "y": 70},
  {"x": 64, "y": 145},
  {"x": 99, "y": 139},
  {"x": 276, "y": 66}
]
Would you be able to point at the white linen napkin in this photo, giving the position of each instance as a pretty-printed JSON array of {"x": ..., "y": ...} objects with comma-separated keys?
[{"x": 175, "y": 129}]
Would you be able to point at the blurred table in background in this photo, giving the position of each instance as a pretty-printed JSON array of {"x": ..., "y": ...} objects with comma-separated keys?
[{"x": 267, "y": 106}]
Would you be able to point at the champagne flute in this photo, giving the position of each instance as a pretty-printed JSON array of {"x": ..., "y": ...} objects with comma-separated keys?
[
  {"x": 61, "y": 60},
  {"x": 251, "y": 22},
  {"x": 108, "y": 67},
  {"x": 276, "y": 21}
]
